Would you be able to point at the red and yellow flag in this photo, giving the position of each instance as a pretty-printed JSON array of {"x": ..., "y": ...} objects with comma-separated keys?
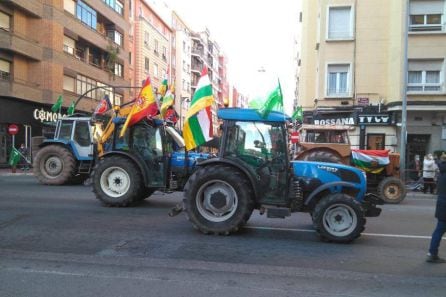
[{"x": 144, "y": 106}]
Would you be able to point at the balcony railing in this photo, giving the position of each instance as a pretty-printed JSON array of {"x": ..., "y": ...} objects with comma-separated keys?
[
  {"x": 5, "y": 75},
  {"x": 426, "y": 87}
]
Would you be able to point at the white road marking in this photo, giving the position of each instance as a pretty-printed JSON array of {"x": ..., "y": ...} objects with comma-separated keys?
[{"x": 366, "y": 234}]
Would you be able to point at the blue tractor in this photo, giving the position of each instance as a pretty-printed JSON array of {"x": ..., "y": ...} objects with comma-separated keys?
[
  {"x": 68, "y": 156},
  {"x": 253, "y": 170}
]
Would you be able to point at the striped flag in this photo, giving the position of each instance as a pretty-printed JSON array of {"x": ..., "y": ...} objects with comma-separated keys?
[
  {"x": 372, "y": 161},
  {"x": 168, "y": 101},
  {"x": 144, "y": 106},
  {"x": 198, "y": 126}
]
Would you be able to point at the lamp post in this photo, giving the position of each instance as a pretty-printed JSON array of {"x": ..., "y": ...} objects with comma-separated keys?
[
  {"x": 403, "y": 135},
  {"x": 183, "y": 99}
]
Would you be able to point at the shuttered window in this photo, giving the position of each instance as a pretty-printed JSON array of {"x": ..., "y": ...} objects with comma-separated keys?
[{"x": 340, "y": 23}]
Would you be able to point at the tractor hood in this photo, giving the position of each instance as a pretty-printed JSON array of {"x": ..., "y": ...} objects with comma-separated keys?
[{"x": 327, "y": 173}]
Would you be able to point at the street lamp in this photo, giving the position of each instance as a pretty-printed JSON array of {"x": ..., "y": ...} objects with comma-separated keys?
[{"x": 183, "y": 99}]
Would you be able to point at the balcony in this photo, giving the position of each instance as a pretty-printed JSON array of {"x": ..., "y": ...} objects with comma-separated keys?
[
  {"x": 19, "y": 89},
  {"x": 20, "y": 45},
  {"x": 32, "y": 7}
]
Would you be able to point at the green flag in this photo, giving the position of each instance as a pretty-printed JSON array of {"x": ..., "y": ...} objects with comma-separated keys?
[
  {"x": 70, "y": 110},
  {"x": 14, "y": 157},
  {"x": 273, "y": 102},
  {"x": 56, "y": 107},
  {"x": 256, "y": 103},
  {"x": 297, "y": 114}
]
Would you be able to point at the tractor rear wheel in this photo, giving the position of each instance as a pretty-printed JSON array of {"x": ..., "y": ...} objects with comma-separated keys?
[
  {"x": 392, "y": 190},
  {"x": 218, "y": 200},
  {"x": 117, "y": 181},
  {"x": 54, "y": 165},
  {"x": 322, "y": 156},
  {"x": 339, "y": 218}
]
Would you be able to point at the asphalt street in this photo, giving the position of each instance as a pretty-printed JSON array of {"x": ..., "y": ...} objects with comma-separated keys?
[{"x": 60, "y": 241}]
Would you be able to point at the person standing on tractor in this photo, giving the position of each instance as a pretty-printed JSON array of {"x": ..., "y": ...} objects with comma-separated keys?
[
  {"x": 440, "y": 214},
  {"x": 429, "y": 171}
]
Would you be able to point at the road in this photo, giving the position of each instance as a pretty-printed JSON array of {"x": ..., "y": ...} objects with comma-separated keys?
[{"x": 60, "y": 241}]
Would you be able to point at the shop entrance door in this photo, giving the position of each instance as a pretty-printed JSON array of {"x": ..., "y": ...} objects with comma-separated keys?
[
  {"x": 376, "y": 141},
  {"x": 417, "y": 145}
]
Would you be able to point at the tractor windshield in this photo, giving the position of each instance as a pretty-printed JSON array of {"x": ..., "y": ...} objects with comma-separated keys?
[{"x": 256, "y": 143}]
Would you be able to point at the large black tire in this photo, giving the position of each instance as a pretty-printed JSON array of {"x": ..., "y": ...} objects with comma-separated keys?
[
  {"x": 218, "y": 200},
  {"x": 117, "y": 181},
  {"x": 322, "y": 156},
  {"x": 338, "y": 218},
  {"x": 54, "y": 165},
  {"x": 392, "y": 190}
]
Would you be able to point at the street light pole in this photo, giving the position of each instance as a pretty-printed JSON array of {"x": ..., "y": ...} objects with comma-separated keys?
[
  {"x": 181, "y": 111},
  {"x": 403, "y": 136}
]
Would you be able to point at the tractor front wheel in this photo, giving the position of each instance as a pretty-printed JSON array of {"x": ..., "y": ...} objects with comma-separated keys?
[
  {"x": 117, "y": 181},
  {"x": 218, "y": 199},
  {"x": 339, "y": 218}
]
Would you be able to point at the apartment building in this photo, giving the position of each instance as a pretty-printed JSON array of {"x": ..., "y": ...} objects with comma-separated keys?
[
  {"x": 181, "y": 65},
  {"x": 52, "y": 48},
  {"x": 149, "y": 43},
  {"x": 352, "y": 71},
  {"x": 206, "y": 52}
]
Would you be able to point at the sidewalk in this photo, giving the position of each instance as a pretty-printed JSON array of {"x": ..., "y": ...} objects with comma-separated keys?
[{"x": 18, "y": 172}]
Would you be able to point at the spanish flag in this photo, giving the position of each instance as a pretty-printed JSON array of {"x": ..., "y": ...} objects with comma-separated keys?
[{"x": 144, "y": 106}]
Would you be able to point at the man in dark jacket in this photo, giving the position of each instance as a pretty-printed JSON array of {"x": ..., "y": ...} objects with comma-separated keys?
[{"x": 440, "y": 214}]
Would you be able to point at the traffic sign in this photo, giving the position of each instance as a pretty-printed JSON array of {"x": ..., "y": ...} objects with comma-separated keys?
[
  {"x": 13, "y": 129},
  {"x": 294, "y": 137}
]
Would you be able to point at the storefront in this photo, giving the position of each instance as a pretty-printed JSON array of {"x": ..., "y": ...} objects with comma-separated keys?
[
  {"x": 370, "y": 130},
  {"x": 32, "y": 119}
]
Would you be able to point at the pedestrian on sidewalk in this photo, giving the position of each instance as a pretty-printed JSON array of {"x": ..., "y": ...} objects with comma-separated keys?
[
  {"x": 429, "y": 171},
  {"x": 440, "y": 214}
]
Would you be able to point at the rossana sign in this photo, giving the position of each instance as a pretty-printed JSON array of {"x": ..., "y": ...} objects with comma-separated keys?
[
  {"x": 46, "y": 116},
  {"x": 338, "y": 121}
]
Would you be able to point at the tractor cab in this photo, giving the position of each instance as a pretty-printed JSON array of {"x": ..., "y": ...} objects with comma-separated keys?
[{"x": 260, "y": 146}]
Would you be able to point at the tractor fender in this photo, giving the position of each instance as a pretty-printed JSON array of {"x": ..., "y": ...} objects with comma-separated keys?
[
  {"x": 326, "y": 186},
  {"x": 138, "y": 162},
  {"x": 249, "y": 174}
]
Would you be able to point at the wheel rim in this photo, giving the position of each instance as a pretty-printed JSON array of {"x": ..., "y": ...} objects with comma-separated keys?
[
  {"x": 115, "y": 182},
  {"x": 53, "y": 166},
  {"x": 216, "y": 201},
  {"x": 340, "y": 220},
  {"x": 392, "y": 192}
]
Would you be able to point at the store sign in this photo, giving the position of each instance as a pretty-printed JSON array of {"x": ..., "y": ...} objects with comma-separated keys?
[
  {"x": 46, "y": 116},
  {"x": 374, "y": 119},
  {"x": 13, "y": 129},
  {"x": 338, "y": 121}
]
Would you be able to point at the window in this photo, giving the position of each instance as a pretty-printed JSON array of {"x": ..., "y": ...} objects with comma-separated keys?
[
  {"x": 118, "y": 69},
  {"x": 118, "y": 99},
  {"x": 146, "y": 39},
  {"x": 155, "y": 70},
  {"x": 426, "y": 15},
  {"x": 115, "y": 5},
  {"x": 68, "y": 83},
  {"x": 5, "y": 70},
  {"x": 338, "y": 80},
  {"x": 425, "y": 76},
  {"x": 155, "y": 49},
  {"x": 70, "y": 6},
  {"x": 82, "y": 133},
  {"x": 164, "y": 53},
  {"x": 84, "y": 84},
  {"x": 115, "y": 36},
  {"x": 69, "y": 45},
  {"x": 5, "y": 21},
  {"x": 340, "y": 23},
  {"x": 146, "y": 64},
  {"x": 86, "y": 14}
]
